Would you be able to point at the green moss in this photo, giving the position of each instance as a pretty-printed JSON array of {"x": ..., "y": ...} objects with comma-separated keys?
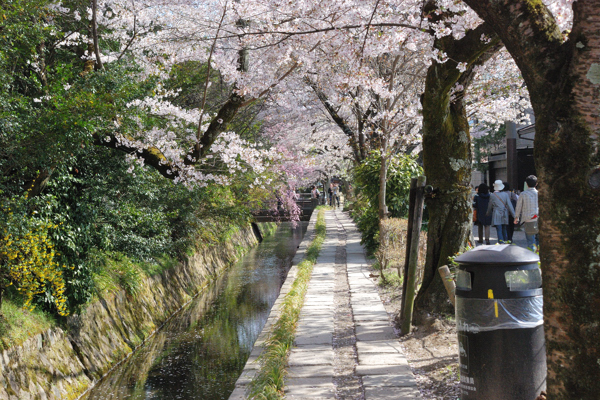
[
  {"x": 18, "y": 324},
  {"x": 267, "y": 228},
  {"x": 542, "y": 22}
]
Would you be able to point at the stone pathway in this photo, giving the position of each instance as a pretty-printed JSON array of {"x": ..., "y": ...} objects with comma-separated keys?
[{"x": 345, "y": 346}]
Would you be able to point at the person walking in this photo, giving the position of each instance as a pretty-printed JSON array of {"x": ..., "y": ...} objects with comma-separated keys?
[
  {"x": 499, "y": 207},
  {"x": 336, "y": 198},
  {"x": 314, "y": 193},
  {"x": 510, "y": 229},
  {"x": 330, "y": 193},
  {"x": 484, "y": 221},
  {"x": 527, "y": 212}
]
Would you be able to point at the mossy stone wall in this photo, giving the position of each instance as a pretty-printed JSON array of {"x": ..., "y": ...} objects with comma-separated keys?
[{"x": 60, "y": 364}]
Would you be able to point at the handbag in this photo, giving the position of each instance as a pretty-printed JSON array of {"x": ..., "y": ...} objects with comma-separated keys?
[
  {"x": 474, "y": 215},
  {"x": 531, "y": 227}
]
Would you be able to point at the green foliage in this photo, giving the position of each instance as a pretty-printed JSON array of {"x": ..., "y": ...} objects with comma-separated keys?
[
  {"x": 142, "y": 217},
  {"x": 484, "y": 146},
  {"x": 94, "y": 212},
  {"x": 116, "y": 271},
  {"x": 365, "y": 210},
  {"x": 367, "y": 221},
  {"x": 392, "y": 244},
  {"x": 390, "y": 278}
]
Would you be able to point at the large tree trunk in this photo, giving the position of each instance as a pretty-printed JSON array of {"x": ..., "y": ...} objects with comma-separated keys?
[
  {"x": 447, "y": 162},
  {"x": 563, "y": 78}
]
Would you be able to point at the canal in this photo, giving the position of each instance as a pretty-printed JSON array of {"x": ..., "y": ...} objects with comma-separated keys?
[{"x": 202, "y": 350}]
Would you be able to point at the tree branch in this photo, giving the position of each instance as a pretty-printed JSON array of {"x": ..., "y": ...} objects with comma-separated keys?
[
  {"x": 212, "y": 50},
  {"x": 95, "y": 34}
]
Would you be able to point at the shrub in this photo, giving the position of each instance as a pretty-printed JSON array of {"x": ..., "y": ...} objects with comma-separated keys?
[
  {"x": 27, "y": 257},
  {"x": 365, "y": 209},
  {"x": 391, "y": 252}
]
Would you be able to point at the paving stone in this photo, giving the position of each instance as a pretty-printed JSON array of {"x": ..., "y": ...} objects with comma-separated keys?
[
  {"x": 368, "y": 308},
  {"x": 315, "y": 306},
  {"x": 311, "y": 356},
  {"x": 383, "y": 370},
  {"x": 239, "y": 393},
  {"x": 321, "y": 317},
  {"x": 367, "y": 335},
  {"x": 310, "y": 371},
  {"x": 389, "y": 381},
  {"x": 367, "y": 297},
  {"x": 256, "y": 351},
  {"x": 391, "y": 393},
  {"x": 381, "y": 358},
  {"x": 305, "y": 331},
  {"x": 316, "y": 322},
  {"x": 315, "y": 327},
  {"x": 377, "y": 316},
  {"x": 316, "y": 313},
  {"x": 310, "y": 388},
  {"x": 316, "y": 300},
  {"x": 382, "y": 346},
  {"x": 303, "y": 340},
  {"x": 245, "y": 378}
]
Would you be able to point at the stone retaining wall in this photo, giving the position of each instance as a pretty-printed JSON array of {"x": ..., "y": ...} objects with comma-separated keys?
[{"x": 60, "y": 364}]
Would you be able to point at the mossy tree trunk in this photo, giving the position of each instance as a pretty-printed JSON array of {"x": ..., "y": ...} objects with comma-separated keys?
[
  {"x": 447, "y": 160},
  {"x": 563, "y": 78}
]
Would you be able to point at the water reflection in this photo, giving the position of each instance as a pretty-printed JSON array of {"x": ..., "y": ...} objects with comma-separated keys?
[{"x": 200, "y": 353}]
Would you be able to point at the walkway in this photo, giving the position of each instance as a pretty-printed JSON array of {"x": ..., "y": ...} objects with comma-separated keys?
[
  {"x": 345, "y": 346},
  {"x": 518, "y": 236}
]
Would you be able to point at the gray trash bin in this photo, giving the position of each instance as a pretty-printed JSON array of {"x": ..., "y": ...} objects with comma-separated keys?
[{"x": 499, "y": 318}]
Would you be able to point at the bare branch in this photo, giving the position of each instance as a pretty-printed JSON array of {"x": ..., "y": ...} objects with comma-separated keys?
[
  {"x": 133, "y": 37},
  {"x": 362, "y": 49},
  {"x": 320, "y": 30},
  {"x": 212, "y": 50}
]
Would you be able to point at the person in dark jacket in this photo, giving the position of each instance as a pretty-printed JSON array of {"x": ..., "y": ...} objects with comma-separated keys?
[
  {"x": 480, "y": 203},
  {"x": 513, "y": 199}
]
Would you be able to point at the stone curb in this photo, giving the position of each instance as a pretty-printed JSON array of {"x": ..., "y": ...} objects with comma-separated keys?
[{"x": 252, "y": 366}]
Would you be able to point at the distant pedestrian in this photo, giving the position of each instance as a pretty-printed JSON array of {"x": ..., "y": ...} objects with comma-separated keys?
[
  {"x": 480, "y": 203},
  {"x": 315, "y": 194},
  {"x": 510, "y": 229},
  {"x": 335, "y": 195},
  {"x": 330, "y": 193},
  {"x": 499, "y": 208},
  {"x": 527, "y": 212}
]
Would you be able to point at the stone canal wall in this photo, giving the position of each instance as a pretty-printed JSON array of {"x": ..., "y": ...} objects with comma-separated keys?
[{"x": 64, "y": 364}]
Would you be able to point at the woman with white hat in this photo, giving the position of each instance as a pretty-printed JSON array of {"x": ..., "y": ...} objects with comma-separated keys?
[{"x": 499, "y": 207}]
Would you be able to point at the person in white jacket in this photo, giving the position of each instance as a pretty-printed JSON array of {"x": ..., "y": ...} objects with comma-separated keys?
[{"x": 527, "y": 210}]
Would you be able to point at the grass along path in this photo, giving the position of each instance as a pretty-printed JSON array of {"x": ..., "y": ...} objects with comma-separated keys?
[{"x": 268, "y": 383}]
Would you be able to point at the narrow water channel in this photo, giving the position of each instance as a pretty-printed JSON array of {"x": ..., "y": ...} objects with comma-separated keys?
[{"x": 201, "y": 351}]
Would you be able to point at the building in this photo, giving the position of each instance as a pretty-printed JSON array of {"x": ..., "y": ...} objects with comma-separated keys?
[{"x": 512, "y": 161}]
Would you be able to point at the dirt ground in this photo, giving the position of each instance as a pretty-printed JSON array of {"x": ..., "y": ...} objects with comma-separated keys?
[{"x": 431, "y": 349}]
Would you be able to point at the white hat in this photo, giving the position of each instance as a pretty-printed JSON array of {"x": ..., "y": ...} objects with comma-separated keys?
[{"x": 498, "y": 185}]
